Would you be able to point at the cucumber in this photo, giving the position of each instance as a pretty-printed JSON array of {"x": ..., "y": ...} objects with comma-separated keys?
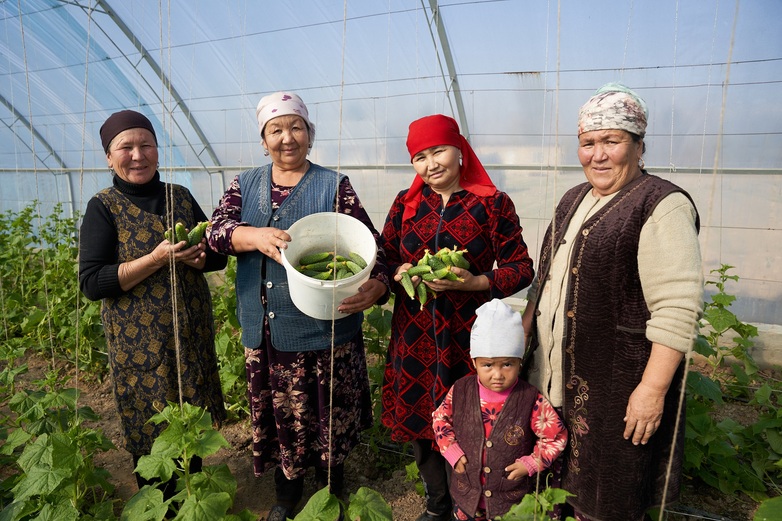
[
  {"x": 180, "y": 232},
  {"x": 312, "y": 258},
  {"x": 197, "y": 233},
  {"x": 407, "y": 284}
]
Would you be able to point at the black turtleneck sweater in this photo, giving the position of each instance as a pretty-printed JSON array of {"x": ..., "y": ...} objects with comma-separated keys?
[{"x": 98, "y": 266}]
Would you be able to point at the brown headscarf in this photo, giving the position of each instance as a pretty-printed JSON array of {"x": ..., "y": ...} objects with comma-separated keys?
[
  {"x": 431, "y": 131},
  {"x": 121, "y": 121}
]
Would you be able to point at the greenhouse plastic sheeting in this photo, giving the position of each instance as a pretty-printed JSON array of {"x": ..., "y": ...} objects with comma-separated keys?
[{"x": 513, "y": 73}]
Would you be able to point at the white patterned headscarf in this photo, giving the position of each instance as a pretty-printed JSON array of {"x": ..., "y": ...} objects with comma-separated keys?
[
  {"x": 614, "y": 106},
  {"x": 282, "y": 104}
]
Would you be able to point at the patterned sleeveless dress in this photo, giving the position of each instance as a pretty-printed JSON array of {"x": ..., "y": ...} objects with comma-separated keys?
[{"x": 140, "y": 327}]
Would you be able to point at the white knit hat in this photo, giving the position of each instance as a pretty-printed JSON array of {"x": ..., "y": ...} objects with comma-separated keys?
[{"x": 497, "y": 332}]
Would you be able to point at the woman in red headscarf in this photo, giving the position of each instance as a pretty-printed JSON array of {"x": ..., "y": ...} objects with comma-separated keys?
[{"x": 451, "y": 203}]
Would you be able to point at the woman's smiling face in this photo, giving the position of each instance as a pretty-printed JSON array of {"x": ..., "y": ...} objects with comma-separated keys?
[
  {"x": 287, "y": 138},
  {"x": 609, "y": 158},
  {"x": 133, "y": 155},
  {"x": 439, "y": 167}
]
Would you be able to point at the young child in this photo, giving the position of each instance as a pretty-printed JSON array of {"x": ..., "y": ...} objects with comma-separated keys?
[{"x": 496, "y": 430}]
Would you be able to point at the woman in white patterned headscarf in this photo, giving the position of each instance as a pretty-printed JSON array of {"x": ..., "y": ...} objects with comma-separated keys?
[
  {"x": 297, "y": 421},
  {"x": 612, "y": 312}
]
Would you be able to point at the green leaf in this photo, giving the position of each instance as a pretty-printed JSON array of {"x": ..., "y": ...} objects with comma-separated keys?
[
  {"x": 763, "y": 396},
  {"x": 169, "y": 444},
  {"x": 87, "y": 414},
  {"x": 322, "y": 506},
  {"x": 35, "y": 453},
  {"x": 723, "y": 299},
  {"x": 98, "y": 477},
  {"x": 62, "y": 511},
  {"x": 39, "y": 481},
  {"x": 209, "y": 443},
  {"x": 704, "y": 386},
  {"x": 557, "y": 496},
  {"x": 66, "y": 398},
  {"x": 103, "y": 511},
  {"x": 774, "y": 439},
  {"x": 693, "y": 457},
  {"x": 215, "y": 478},
  {"x": 411, "y": 472},
  {"x": 12, "y": 511},
  {"x": 525, "y": 510},
  {"x": 720, "y": 319},
  {"x": 208, "y": 508},
  {"x": 153, "y": 466},
  {"x": 380, "y": 320},
  {"x": 769, "y": 510},
  {"x": 368, "y": 505},
  {"x": 66, "y": 453},
  {"x": 17, "y": 438},
  {"x": 703, "y": 347},
  {"x": 146, "y": 505}
]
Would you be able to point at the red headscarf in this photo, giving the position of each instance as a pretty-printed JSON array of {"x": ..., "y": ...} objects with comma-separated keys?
[{"x": 431, "y": 131}]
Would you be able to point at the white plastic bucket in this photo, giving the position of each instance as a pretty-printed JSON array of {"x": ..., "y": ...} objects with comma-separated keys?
[{"x": 319, "y": 232}]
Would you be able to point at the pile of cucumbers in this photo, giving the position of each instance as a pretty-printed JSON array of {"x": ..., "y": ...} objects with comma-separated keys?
[
  {"x": 179, "y": 233},
  {"x": 328, "y": 265},
  {"x": 431, "y": 267}
]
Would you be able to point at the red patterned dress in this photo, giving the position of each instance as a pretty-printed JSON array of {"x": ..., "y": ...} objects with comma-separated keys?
[{"x": 430, "y": 347}]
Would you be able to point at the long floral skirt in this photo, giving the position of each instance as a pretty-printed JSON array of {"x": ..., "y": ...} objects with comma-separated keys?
[{"x": 290, "y": 393}]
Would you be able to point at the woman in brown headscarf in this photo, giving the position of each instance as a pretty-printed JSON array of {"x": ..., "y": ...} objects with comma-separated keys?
[
  {"x": 124, "y": 260},
  {"x": 612, "y": 312},
  {"x": 451, "y": 203}
]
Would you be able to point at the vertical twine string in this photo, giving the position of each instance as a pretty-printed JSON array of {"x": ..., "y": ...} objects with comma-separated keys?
[
  {"x": 330, "y": 437},
  {"x": 37, "y": 185},
  {"x": 543, "y": 161},
  {"x": 705, "y": 122},
  {"x": 627, "y": 41},
  {"x": 717, "y": 152},
  {"x": 79, "y": 296},
  {"x": 166, "y": 119},
  {"x": 671, "y": 166}
]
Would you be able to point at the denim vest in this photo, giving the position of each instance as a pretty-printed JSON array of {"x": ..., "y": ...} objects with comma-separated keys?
[{"x": 291, "y": 330}]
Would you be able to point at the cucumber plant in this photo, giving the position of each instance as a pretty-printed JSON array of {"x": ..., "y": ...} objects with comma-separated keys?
[{"x": 206, "y": 495}]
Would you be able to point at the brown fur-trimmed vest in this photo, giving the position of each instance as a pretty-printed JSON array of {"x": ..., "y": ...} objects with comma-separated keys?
[{"x": 510, "y": 439}]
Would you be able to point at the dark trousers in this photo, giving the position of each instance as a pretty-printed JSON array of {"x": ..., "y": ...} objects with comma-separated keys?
[
  {"x": 289, "y": 491},
  {"x": 337, "y": 479},
  {"x": 432, "y": 468}
]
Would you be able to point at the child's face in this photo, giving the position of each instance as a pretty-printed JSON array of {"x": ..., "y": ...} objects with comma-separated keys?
[{"x": 497, "y": 374}]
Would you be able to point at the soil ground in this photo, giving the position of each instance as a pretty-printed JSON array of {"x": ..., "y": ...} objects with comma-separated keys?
[{"x": 362, "y": 468}]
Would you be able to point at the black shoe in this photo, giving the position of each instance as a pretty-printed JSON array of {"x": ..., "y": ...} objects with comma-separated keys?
[
  {"x": 279, "y": 513},
  {"x": 428, "y": 516}
]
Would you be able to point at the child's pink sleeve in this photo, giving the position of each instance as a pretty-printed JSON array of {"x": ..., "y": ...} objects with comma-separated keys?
[
  {"x": 551, "y": 433},
  {"x": 442, "y": 423}
]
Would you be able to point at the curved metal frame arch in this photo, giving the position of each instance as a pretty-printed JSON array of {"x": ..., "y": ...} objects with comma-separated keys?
[
  {"x": 448, "y": 56},
  {"x": 36, "y": 136},
  {"x": 147, "y": 57}
]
